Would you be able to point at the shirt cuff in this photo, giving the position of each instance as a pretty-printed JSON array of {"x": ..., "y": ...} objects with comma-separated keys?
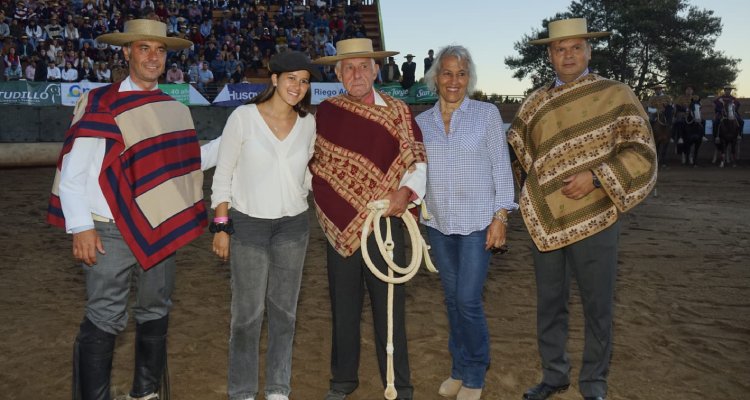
[
  {"x": 79, "y": 229},
  {"x": 416, "y": 181}
]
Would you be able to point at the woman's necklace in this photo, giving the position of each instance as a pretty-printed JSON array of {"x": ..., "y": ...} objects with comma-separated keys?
[{"x": 280, "y": 126}]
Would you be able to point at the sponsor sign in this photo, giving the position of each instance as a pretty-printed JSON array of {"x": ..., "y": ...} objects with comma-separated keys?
[
  {"x": 30, "y": 93},
  {"x": 235, "y": 94},
  {"x": 178, "y": 91},
  {"x": 323, "y": 90},
  {"x": 71, "y": 92}
]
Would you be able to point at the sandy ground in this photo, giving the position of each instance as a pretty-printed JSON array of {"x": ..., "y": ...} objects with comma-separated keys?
[{"x": 682, "y": 328}]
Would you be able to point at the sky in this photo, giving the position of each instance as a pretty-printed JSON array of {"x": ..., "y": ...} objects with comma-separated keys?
[{"x": 488, "y": 28}]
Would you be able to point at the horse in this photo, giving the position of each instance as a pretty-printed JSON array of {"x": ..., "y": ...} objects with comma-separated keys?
[
  {"x": 662, "y": 129},
  {"x": 692, "y": 133},
  {"x": 729, "y": 132}
]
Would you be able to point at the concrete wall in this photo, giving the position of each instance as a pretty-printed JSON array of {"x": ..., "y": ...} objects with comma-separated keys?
[{"x": 23, "y": 124}]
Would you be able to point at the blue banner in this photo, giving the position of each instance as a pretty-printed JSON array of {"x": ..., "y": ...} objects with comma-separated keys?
[{"x": 235, "y": 94}]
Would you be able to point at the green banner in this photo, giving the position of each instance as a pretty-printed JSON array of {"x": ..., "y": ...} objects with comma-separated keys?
[
  {"x": 418, "y": 93},
  {"x": 421, "y": 94},
  {"x": 178, "y": 91},
  {"x": 30, "y": 93}
]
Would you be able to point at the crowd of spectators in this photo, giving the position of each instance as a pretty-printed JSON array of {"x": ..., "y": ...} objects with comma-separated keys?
[{"x": 54, "y": 40}]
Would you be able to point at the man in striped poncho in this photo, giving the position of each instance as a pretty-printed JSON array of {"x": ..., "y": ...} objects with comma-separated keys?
[{"x": 129, "y": 190}]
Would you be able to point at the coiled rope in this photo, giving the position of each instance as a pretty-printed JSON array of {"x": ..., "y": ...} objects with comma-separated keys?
[{"x": 419, "y": 249}]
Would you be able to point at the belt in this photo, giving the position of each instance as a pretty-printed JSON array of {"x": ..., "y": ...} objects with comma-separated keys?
[{"x": 97, "y": 217}]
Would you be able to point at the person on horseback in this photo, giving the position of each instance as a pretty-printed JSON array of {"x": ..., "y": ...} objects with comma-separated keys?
[
  {"x": 682, "y": 105},
  {"x": 660, "y": 101},
  {"x": 720, "y": 105},
  {"x": 689, "y": 130}
]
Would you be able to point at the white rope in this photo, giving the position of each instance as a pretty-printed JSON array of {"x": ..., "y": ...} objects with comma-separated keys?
[{"x": 419, "y": 249}]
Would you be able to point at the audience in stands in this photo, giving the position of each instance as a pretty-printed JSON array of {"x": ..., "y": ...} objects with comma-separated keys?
[{"x": 236, "y": 37}]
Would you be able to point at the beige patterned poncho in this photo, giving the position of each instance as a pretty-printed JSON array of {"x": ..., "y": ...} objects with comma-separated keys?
[{"x": 590, "y": 124}]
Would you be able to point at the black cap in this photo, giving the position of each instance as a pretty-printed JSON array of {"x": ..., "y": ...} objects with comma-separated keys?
[{"x": 289, "y": 61}]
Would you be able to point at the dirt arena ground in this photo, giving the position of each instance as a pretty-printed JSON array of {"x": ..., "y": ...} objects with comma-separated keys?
[{"x": 682, "y": 328}]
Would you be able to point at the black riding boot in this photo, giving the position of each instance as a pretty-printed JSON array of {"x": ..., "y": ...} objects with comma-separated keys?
[
  {"x": 150, "y": 356},
  {"x": 92, "y": 362}
]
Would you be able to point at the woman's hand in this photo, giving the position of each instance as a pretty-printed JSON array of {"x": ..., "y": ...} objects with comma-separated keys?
[
  {"x": 495, "y": 235},
  {"x": 221, "y": 245}
]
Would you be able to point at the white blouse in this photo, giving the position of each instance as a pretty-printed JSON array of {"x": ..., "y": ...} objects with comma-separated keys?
[{"x": 258, "y": 174}]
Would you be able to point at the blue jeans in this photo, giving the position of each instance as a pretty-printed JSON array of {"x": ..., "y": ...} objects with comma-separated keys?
[
  {"x": 463, "y": 262},
  {"x": 266, "y": 259}
]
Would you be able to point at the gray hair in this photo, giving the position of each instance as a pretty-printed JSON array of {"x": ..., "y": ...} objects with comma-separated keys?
[{"x": 462, "y": 54}]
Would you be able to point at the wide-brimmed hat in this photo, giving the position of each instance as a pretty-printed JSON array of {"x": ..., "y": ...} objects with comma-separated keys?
[
  {"x": 659, "y": 86},
  {"x": 409, "y": 55},
  {"x": 144, "y": 29},
  {"x": 729, "y": 87},
  {"x": 290, "y": 61},
  {"x": 568, "y": 29},
  {"x": 354, "y": 48}
]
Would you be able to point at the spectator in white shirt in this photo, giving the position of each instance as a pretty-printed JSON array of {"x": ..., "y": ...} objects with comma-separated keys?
[
  {"x": 103, "y": 74},
  {"x": 69, "y": 74},
  {"x": 53, "y": 73}
]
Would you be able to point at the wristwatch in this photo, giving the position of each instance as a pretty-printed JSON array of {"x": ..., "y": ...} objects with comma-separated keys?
[
  {"x": 595, "y": 181},
  {"x": 222, "y": 227}
]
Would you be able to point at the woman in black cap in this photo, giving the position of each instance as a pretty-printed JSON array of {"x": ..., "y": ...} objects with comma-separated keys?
[{"x": 262, "y": 175}]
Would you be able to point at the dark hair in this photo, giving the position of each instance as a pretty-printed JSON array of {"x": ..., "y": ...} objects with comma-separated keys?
[{"x": 302, "y": 108}]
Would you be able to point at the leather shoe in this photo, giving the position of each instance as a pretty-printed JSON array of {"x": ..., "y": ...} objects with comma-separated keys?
[
  {"x": 594, "y": 398},
  {"x": 543, "y": 391}
]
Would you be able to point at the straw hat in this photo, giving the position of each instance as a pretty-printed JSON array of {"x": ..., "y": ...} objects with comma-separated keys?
[
  {"x": 568, "y": 29},
  {"x": 144, "y": 29},
  {"x": 730, "y": 87},
  {"x": 354, "y": 48},
  {"x": 659, "y": 86}
]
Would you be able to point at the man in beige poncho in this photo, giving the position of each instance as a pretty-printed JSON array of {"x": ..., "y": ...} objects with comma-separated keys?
[{"x": 587, "y": 151}]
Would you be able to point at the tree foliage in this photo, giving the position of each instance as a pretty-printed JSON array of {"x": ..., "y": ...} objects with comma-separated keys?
[{"x": 653, "y": 41}]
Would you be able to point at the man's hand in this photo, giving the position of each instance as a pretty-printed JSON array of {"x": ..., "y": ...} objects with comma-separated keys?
[
  {"x": 221, "y": 245},
  {"x": 399, "y": 200},
  {"x": 85, "y": 246},
  {"x": 495, "y": 234},
  {"x": 579, "y": 185}
]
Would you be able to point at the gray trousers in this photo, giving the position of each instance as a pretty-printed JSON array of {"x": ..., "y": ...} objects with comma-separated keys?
[
  {"x": 108, "y": 284},
  {"x": 593, "y": 263}
]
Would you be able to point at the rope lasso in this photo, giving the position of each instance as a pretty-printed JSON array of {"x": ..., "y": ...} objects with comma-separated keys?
[{"x": 419, "y": 249}]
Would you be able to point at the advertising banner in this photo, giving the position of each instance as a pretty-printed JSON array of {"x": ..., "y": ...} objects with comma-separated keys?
[
  {"x": 71, "y": 92},
  {"x": 178, "y": 91},
  {"x": 394, "y": 90},
  {"x": 323, "y": 90},
  {"x": 421, "y": 94},
  {"x": 30, "y": 93},
  {"x": 235, "y": 94}
]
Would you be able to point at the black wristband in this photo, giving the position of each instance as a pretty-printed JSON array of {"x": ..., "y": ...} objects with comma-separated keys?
[{"x": 223, "y": 227}]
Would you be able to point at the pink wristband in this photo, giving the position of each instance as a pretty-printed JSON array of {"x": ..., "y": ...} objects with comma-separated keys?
[{"x": 221, "y": 220}]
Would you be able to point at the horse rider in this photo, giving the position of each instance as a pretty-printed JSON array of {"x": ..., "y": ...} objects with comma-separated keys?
[
  {"x": 658, "y": 102},
  {"x": 682, "y": 104},
  {"x": 721, "y": 103}
]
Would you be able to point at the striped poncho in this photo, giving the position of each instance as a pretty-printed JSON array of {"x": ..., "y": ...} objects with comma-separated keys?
[
  {"x": 590, "y": 124},
  {"x": 361, "y": 154},
  {"x": 151, "y": 174}
]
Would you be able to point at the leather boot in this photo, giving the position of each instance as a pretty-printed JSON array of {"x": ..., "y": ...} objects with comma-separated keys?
[
  {"x": 92, "y": 362},
  {"x": 150, "y": 356}
]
